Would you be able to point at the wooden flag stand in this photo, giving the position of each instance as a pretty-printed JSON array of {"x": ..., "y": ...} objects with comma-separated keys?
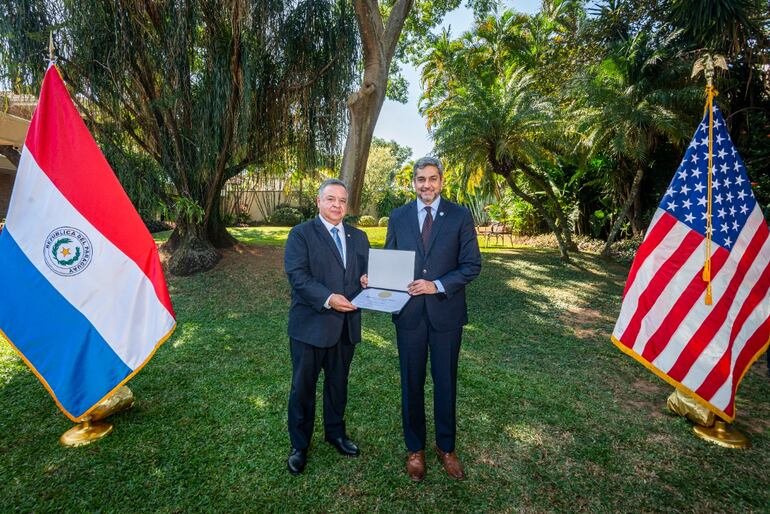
[{"x": 92, "y": 428}]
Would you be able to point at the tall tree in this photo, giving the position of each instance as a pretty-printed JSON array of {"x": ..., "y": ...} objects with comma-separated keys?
[
  {"x": 494, "y": 59},
  {"x": 501, "y": 127},
  {"x": 625, "y": 107},
  {"x": 390, "y": 30},
  {"x": 205, "y": 87},
  {"x": 379, "y": 40}
]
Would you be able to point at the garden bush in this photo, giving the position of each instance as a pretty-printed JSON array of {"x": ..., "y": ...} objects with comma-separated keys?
[
  {"x": 285, "y": 216},
  {"x": 383, "y": 222},
  {"x": 367, "y": 221}
]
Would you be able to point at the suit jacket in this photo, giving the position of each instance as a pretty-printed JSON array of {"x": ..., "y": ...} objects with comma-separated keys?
[
  {"x": 314, "y": 267},
  {"x": 452, "y": 257}
]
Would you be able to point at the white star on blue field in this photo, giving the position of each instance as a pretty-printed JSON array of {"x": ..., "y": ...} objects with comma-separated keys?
[{"x": 731, "y": 197}]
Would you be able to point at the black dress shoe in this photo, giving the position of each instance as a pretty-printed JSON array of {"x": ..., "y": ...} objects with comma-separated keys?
[
  {"x": 344, "y": 445},
  {"x": 297, "y": 460}
]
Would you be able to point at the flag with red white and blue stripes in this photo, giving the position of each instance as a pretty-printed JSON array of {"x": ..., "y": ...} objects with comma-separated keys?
[
  {"x": 665, "y": 321},
  {"x": 84, "y": 300}
]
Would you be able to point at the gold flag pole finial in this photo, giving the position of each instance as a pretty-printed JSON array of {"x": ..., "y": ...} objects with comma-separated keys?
[{"x": 708, "y": 64}]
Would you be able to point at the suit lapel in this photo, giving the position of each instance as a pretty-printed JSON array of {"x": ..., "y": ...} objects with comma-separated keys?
[
  {"x": 327, "y": 237},
  {"x": 438, "y": 222},
  {"x": 349, "y": 250},
  {"x": 414, "y": 224}
]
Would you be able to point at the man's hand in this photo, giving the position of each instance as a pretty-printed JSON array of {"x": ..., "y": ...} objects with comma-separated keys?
[
  {"x": 340, "y": 303},
  {"x": 421, "y": 287},
  {"x": 364, "y": 281}
]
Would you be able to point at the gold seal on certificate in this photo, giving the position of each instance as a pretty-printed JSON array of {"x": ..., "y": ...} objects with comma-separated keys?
[{"x": 390, "y": 272}]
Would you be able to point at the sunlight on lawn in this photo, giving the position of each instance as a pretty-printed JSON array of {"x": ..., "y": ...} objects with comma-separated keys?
[
  {"x": 258, "y": 402},
  {"x": 524, "y": 434},
  {"x": 10, "y": 363}
]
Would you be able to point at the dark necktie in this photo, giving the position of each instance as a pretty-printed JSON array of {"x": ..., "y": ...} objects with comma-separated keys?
[{"x": 426, "y": 226}]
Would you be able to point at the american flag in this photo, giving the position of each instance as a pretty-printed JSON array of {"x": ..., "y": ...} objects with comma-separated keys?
[{"x": 664, "y": 321}]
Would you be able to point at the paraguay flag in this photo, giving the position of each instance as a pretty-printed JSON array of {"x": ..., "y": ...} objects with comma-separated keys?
[{"x": 83, "y": 301}]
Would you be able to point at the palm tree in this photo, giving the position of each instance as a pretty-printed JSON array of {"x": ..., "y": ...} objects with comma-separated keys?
[
  {"x": 627, "y": 105},
  {"x": 500, "y": 127}
]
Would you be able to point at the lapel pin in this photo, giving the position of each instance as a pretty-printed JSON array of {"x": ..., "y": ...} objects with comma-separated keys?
[{"x": 441, "y": 213}]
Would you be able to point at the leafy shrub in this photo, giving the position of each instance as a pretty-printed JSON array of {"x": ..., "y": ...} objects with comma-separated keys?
[
  {"x": 228, "y": 219},
  {"x": 367, "y": 221},
  {"x": 383, "y": 222},
  {"x": 285, "y": 216},
  {"x": 392, "y": 199}
]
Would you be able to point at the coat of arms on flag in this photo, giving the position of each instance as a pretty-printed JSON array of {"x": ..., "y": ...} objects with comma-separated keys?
[
  {"x": 84, "y": 300},
  {"x": 696, "y": 306}
]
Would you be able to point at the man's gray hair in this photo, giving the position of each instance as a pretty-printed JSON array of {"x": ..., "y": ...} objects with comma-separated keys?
[
  {"x": 427, "y": 161},
  {"x": 330, "y": 182}
]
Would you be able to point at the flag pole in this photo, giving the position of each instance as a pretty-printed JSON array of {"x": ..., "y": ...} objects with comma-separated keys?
[
  {"x": 719, "y": 432},
  {"x": 92, "y": 428}
]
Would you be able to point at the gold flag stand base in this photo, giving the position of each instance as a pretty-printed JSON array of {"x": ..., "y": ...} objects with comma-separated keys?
[
  {"x": 92, "y": 429},
  {"x": 722, "y": 434},
  {"x": 85, "y": 433}
]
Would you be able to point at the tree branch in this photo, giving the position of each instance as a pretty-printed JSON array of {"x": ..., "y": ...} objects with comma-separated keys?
[{"x": 395, "y": 25}]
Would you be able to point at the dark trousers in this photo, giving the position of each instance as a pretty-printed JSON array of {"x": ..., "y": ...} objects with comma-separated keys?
[
  {"x": 414, "y": 346},
  {"x": 307, "y": 362}
]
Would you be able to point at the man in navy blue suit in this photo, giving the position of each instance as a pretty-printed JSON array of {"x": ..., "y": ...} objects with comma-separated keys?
[
  {"x": 443, "y": 237},
  {"x": 325, "y": 260}
]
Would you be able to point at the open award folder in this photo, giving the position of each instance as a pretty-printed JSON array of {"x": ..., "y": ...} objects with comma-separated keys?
[{"x": 390, "y": 272}]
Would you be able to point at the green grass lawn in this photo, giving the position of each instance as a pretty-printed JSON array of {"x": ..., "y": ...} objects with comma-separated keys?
[{"x": 551, "y": 416}]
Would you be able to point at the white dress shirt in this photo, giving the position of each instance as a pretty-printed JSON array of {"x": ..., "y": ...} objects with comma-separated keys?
[
  {"x": 341, "y": 233},
  {"x": 421, "y": 215}
]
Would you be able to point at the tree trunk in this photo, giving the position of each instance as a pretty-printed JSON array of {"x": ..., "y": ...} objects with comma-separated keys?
[
  {"x": 548, "y": 190},
  {"x": 624, "y": 212},
  {"x": 216, "y": 230},
  {"x": 191, "y": 252},
  {"x": 379, "y": 44},
  {"x": 193, "y": 247},
  {"x": 563, "y": 250},
  {"x": 363, "y": 109},
  {"x": 635, "y": 215}
]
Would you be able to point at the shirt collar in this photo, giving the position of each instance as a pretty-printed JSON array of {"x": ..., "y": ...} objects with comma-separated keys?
[
  {"x": 329, "y": 226},
  {"x": 434, "y": 205}
]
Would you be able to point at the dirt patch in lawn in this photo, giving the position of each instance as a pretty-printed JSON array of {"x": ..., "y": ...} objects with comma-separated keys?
[{"x": 586, "y": 323}]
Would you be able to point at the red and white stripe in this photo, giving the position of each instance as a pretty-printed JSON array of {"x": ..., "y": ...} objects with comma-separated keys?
[{"x": 665, "y": 323}]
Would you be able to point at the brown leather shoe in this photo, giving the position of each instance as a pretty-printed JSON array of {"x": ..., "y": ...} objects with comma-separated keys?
[
  {"x": 415, "y": 465},
  {"x": 451, "y": 463}
]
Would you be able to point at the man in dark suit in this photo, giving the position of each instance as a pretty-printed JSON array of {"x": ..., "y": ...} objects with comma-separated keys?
[
  {"x": 447, "y": 257},
  {"x": 324, "y": 260}
]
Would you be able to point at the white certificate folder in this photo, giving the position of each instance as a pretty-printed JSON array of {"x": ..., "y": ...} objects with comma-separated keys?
[{"x": 390, "y": 272}]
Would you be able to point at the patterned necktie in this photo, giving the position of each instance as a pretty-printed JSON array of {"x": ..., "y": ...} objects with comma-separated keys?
[
  {"x": 426, "y": 226},
  {"x": 338, "y": 242}
]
